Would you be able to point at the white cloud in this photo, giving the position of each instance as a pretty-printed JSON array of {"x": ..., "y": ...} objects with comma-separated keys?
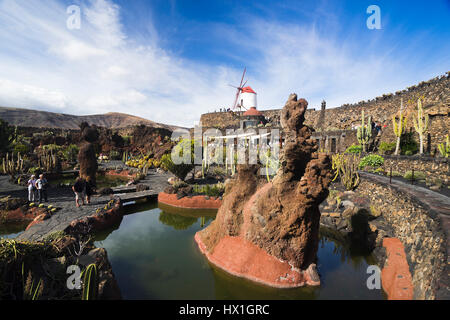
[{"x": 100, "y": 69}]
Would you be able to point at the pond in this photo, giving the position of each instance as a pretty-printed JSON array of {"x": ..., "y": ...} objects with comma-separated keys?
[
  {"x": 12, "y": 230},
  {"x": 154, "y": 256}
]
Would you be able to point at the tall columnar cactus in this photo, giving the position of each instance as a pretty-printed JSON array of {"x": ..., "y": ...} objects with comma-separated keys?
[
  {"x": 444, "y": 149},
  {"x": 421, "y": 123},
  {"x": 364, "y": 132},
  {"x": 346, "y": 168},
  {"x": 399, "y": 127},
  {"x": 11, "y": 166}
]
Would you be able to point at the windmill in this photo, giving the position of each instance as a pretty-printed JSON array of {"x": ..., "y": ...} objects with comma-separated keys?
[{"x": 236, "y": 104}]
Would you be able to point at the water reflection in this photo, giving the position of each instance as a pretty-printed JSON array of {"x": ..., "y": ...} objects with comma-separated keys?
[{"x": 154, "y": 256}]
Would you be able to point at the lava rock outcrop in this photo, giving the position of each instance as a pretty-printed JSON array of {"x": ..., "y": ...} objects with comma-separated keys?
[{"x": 269, "y": 232}]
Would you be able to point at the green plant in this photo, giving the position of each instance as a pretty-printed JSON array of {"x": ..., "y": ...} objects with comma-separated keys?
[
  {"x": 421, "y": 123},
  {"x": 408, "y": 145},
  {"x": 372, "y": 160},
  {"x": 31, "y": 292},
  {"x": 215, "y": 190},
  {"x": 444, "y": 150},
  {"x": 354, "y": 149},
  {"x": 346, "y": 168},
  {"x": 399, "y": 127},
  {"x": 387, "y": 148},
  {"x": 364, "y": 132},
  {"x": 70, "y": 153},
  {"x": 114, "y": 155},
  {"x": 179, "y": 170},
  {"x": 20, "y": 148},
  {"x": 418, "y": 175},
  {"x": 90, "y": 282}
]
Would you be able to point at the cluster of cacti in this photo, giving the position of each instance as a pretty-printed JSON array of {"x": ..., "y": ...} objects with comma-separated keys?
[
  {"x": 399, "y": 127},
  {"x": 421, "y": 123},
  {"x": 444, "y": 149},
  {"x": 364, "y": 132},
  {"x": 346, "y": 168},
  {"x": 11, "y": 166},
  {"x": 48, "y": 161}
]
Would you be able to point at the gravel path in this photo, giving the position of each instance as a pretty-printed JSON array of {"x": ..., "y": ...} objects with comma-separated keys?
[{"x": 64, "y": 198}]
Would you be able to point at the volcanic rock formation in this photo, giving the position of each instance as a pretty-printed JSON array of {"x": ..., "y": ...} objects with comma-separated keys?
[
  {"x": 86, "y": 155},
  {"x": 269, "y": 232}
]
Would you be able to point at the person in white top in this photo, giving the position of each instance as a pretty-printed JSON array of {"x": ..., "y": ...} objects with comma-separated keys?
[{"x": 32, "y": 189}]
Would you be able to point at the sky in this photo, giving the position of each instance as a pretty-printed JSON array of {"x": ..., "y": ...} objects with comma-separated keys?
[{"x": 172, "y": 60}]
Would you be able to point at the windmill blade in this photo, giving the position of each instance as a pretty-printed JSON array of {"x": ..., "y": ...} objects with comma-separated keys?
[
  {"x": 236, "y": 99},
  {"x": 242, "y": 79},
  {"x": 244, "y": 84}
]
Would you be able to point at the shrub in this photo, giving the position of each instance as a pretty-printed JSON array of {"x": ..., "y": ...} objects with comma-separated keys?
[
  {"x": 418, "y": 175},
  {"x": 372, "y": 160},
  {"x": 215, "y": 190},
  {"x": 386, "y": 148},
  {"x": 179, "y": 170},
  {"x": 20, "y": 148},
  {"x": 114, "y": 155},
  {"x": 355, "y": 149},
  {"x": 408, "y": 144},
  {"x": 71, "y": 153}
]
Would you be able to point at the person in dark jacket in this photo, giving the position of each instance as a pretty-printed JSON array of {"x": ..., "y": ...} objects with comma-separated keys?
[{"x": 79, "y": 188}]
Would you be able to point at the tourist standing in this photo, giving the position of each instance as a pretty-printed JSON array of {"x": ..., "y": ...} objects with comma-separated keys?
[
  {"x": 79, "y": 188},
  {"x": 41, "y": 185},
  {"x": 32, "y": 189},
  {"x": 88, "y": 190}
]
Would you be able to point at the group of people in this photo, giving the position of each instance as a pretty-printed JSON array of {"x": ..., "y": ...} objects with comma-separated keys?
[
  {"x": 37, "y": 189},
  {"x": 83, "y": 191}
]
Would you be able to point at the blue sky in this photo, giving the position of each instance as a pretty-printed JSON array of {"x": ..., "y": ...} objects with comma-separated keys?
[{"x": 171, "y": 60}]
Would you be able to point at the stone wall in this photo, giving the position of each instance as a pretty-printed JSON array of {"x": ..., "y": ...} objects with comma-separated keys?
[
  {"x": 434, "y": 168},
  {"x": 436, "y": 102},
  {"x": 420, "y": 231}
]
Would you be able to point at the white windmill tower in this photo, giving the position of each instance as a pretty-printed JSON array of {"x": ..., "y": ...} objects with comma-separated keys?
[{"x": 245, "y": 96}]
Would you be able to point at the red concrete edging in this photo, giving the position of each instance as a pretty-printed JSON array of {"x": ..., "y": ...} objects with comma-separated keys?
[
  {"x": 395, "y": 276},
  {"x": 195, "y": 202},
  {"x": 242, "y": 258},
  {"x": 123, "y": 173}
]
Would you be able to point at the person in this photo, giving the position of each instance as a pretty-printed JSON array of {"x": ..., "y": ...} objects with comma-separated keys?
[
  {"x": 41, "y": 185},
  {"x": 88, "y": 190},
  {"x": 32, "y": 189},
  {"x": 79, "y": 188}
]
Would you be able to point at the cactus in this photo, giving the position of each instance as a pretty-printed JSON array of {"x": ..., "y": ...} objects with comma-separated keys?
[
  {"x": 346, "y": 167},
  {"x": 399, "y": 127},
  {"x": 125, "y": 157},
  {"x": 444, "y": 149},
  {"x": 11, "y": 166},
  {"x": 421, "y": 123},
  {"x": 364, "y": 132},
  {"x": 48, "y": 161}
]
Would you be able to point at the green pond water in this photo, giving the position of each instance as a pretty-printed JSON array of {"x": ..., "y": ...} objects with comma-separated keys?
[{"x": 154, "y": 256}]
